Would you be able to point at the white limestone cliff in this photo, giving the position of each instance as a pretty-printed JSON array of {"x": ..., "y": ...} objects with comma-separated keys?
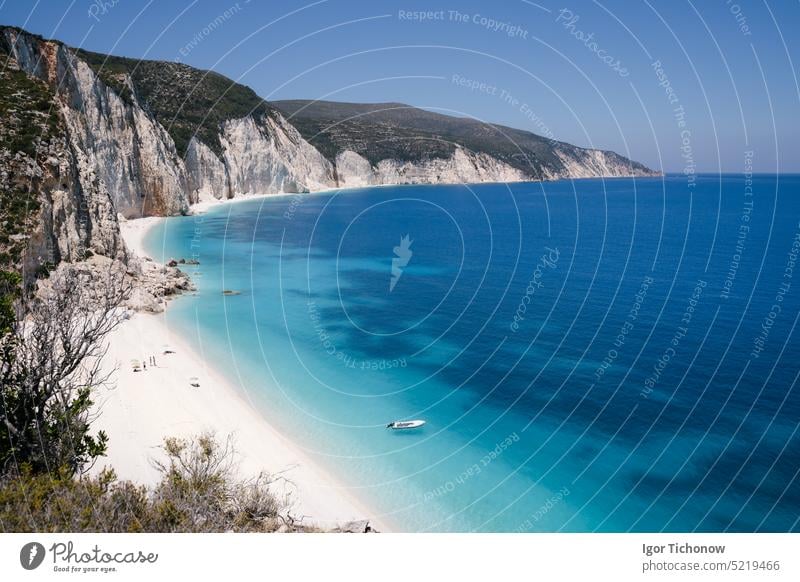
[
  {"x": 587, "y": 163},
  {"x": 463, "y": 167},
  {"x": 118, "y": 159},
  {"x": 207, "y": 174},
  {"x": 268, "y": 155}
]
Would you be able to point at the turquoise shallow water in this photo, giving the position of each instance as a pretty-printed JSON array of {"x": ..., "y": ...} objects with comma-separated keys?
[{"x": 590, "y": 356}]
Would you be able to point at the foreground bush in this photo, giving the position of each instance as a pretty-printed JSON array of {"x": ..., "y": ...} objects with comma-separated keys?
[
  {"x": 51, "y": 360},
  {"x": 198, "y": 492}
]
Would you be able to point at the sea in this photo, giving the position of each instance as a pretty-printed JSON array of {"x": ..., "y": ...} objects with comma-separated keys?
[{"x": 606, "y": 355}]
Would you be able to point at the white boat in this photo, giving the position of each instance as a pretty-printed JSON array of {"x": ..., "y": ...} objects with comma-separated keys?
[{"x": 403, "y": 424}]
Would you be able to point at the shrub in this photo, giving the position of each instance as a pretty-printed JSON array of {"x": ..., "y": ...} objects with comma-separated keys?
[{"x": 198, "y": 492}]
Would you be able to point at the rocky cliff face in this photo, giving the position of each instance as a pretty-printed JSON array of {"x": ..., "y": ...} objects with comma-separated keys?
[
  {"x": 585, "y": 163},
  {"x": 267, "y": 155},
  {"x": 468, "y": 167},
  {"x": 135, "y": 156},
  {"x": 55, "y": 207},
  {"x": 107, "y": 155},
  {"x": 462, "y": 167},
  {"x": 260, "y": 156},
  {"x": 136, "y": 138},
  {"x": 383, "y": 143},
  {"x": 128, "y": 155}
]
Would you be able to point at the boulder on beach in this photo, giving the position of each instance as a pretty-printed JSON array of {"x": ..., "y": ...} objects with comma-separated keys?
[{"x": 359, "y": 526}]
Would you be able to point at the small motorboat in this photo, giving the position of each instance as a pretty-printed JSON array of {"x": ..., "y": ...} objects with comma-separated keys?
[{"x": 404, "y": 424}]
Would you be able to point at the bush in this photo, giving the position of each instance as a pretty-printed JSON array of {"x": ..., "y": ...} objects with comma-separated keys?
[
  {"x": 198, "y": 492},
  {"x": 57, "y": 502}
]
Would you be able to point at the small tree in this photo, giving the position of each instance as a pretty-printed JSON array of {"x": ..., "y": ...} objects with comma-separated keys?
[{"x": 50, "y": 362}]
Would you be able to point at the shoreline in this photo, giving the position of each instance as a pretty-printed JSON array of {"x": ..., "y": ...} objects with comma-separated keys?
[
  {"x": 204, "y": 205},
  {"x": 139, "y": 409}
]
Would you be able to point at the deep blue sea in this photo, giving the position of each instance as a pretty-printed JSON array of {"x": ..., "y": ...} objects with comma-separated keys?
[{"x": 593, "y": 355}]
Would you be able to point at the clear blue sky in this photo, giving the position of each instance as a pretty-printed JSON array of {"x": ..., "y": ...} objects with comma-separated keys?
[{"x": 728, "y": 63}]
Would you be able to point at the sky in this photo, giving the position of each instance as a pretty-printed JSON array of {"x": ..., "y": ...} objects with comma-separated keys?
[{"x": 681, "y": 86}]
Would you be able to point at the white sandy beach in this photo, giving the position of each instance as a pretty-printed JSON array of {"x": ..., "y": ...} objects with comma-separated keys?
[{"x": 141, "y": 408}]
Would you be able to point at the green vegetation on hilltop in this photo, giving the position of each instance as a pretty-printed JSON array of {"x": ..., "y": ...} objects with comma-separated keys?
[
  {"x": 373, "y": 141},
  {"x": 378, "y": 131},
  {"x": 394, "y": 130}
]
